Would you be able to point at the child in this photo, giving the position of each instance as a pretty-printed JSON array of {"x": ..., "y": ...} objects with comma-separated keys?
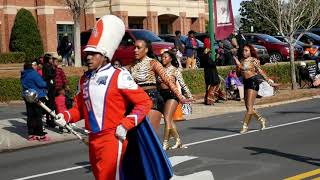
[
  {"x": 61, "y": 103},
  {"x": 233, "y": 83}
]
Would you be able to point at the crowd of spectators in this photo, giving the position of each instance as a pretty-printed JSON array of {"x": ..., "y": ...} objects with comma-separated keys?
[{"x": 47, "y": 78}]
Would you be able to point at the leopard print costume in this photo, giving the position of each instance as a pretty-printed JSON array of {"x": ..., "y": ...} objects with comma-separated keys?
[
  {"x": 176, "y": 76},
  {"x": 146, "y": 71}
]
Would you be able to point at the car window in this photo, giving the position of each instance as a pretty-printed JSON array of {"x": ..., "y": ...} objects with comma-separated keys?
[
  {"x": 251, "y": 39},
  {"x": 313, "y": 36},
  {"x": 303, "y": 38},
  {"x": 147, "y": 35},
  {"x": 126, "y": 40},
  {"x": 269, "y": 38}
]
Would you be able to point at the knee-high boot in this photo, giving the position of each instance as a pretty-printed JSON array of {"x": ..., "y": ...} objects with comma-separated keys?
[
  {"x": 176, "y": 136},
  {"x": 246, "y": 121},
  {"x": 261, "y": 120},
  {"x": 166, "y": 136}
]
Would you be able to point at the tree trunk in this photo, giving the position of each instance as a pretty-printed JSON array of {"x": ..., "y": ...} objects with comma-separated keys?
[
  {"x": 294, "y": 85},
  {"x": 77, "y": 49}
]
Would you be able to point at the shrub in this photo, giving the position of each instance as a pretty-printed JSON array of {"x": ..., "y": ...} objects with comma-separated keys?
[
  {"x": 12, "y": 57},
  {"x": 25, "y": 36}
]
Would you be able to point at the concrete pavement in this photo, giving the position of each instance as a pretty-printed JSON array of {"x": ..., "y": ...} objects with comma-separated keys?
[{"x": 13, "y": 130}]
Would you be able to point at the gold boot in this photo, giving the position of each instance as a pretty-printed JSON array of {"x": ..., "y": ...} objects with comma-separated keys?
[
  {"x": 246, "y": 121},
  {"x": 260, "y": 119},
  {"x": 166, "y": 137},
  {"x": 175, "y": 134}
]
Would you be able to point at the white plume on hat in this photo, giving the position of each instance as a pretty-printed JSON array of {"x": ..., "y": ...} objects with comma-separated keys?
[{"x": 106, "y": 36}]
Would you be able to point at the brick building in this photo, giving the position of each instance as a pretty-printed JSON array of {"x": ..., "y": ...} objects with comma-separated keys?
[{"x": 54, "y": 18}]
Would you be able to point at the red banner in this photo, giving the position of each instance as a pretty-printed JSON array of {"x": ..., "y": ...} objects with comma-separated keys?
[{"x": 223, "y": 19}]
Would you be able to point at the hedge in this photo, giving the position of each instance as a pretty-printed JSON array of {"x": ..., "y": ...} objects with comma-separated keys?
[
  {"x": 10, "y": 88},
  {"x": 12, "y": 57},
  {"x": 25, "y": 35}
]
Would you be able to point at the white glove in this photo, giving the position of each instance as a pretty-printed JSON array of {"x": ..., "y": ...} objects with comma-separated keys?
[
  {"x": 60, "y": 121},
  {"x": 121, "y": 132}
]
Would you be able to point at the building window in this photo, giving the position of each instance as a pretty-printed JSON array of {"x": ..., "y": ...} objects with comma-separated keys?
[
  {"x": 65, "y": 29},
  {"x": 135, "y": 26},
  {"x": 164, "y": 29}
]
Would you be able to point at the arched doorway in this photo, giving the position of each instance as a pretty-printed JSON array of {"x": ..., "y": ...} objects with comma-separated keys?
[{"x": 166, "y": 22}]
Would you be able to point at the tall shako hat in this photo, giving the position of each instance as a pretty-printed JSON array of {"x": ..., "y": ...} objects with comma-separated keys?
[{"x": 106, "y": 36}]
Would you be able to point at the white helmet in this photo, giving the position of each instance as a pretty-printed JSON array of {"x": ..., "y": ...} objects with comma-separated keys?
[{"x": 106, "y": 36}]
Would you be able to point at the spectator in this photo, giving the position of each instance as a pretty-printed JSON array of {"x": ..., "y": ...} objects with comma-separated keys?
[
  {"x": 207, "y": 42},
  {"x": 234, "y": 43},
  {"x": 30, "y": 79},
  {"x": 60, "y": 78},
  {"x": 37, "y": 66},
  {"x": 220, "y": 55},
  {"x": 241, "y": 42},
  {"x": 191, "y": 50},
  {"x": 177, "y": 42},
  {"x": 65, "y": 49},
  {"x": 117, "y": 64},
  {"x": 311, "y": 52},
  {"x": 49, "y": 74},
  {"x": 233, "y": 84},
  {"x": 227, "y": 50},
  {"x": 212, "y": 79}
]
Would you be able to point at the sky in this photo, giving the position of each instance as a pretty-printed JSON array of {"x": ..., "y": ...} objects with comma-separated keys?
[{"x": 236, "y": 6}]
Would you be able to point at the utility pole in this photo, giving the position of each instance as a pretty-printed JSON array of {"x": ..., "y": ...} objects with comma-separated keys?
[{"x": 211, "y": 30}]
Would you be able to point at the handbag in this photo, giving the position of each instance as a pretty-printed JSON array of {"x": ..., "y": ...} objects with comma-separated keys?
[
  {"x": 265, "y": 90},
  {"x": 186, "y": 109}
]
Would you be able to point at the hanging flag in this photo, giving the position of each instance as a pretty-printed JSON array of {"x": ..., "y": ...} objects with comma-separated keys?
[{"x": 223, "y": 19}]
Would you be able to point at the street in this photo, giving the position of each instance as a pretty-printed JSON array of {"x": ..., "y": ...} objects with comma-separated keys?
[{"x": 215, "y": 149}]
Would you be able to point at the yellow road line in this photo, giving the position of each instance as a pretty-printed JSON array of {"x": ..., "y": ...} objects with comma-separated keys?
[
  {"x": 304, "y": 175},
  {"x": 318, "y": 178}
]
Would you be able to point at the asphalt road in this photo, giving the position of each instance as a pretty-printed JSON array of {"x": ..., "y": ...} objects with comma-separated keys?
[{"x": 215, "y": 150}]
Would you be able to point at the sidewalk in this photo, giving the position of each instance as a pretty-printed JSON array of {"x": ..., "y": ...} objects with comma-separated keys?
[{"x": 13, "y": 131}]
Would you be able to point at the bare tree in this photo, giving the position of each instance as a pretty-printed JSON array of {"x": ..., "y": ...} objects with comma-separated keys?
[
  {"x": 291, "y": 16},
  {"x": 76, "y": 7}
]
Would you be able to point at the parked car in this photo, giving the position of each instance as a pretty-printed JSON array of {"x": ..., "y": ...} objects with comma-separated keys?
[
  {"x": 308, "y": 36},
  {"x": 300, "y": 43},
  {"x": 170, "y": 38},
  {"x": 125, "y": 51},
  {"x": 315, "y": 31},
  {"x": 277, "y": 50},
  {"x": 301, "y": 46},
  {"x": 261, "y": 50}
]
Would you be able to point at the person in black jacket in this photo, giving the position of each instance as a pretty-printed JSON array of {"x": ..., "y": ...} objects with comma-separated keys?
[
  {"x": 49, "y": 77},
  {"x": 241, "y": 42},
  {"x": 65, "y": 49}
]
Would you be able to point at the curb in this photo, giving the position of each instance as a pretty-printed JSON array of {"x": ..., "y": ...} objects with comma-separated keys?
[{"x": 286, "y": 102}]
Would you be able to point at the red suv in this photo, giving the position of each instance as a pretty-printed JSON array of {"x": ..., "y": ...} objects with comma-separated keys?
[
  {"x": 125, "y": 51},
  {"x": 277, "y": 50}
]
